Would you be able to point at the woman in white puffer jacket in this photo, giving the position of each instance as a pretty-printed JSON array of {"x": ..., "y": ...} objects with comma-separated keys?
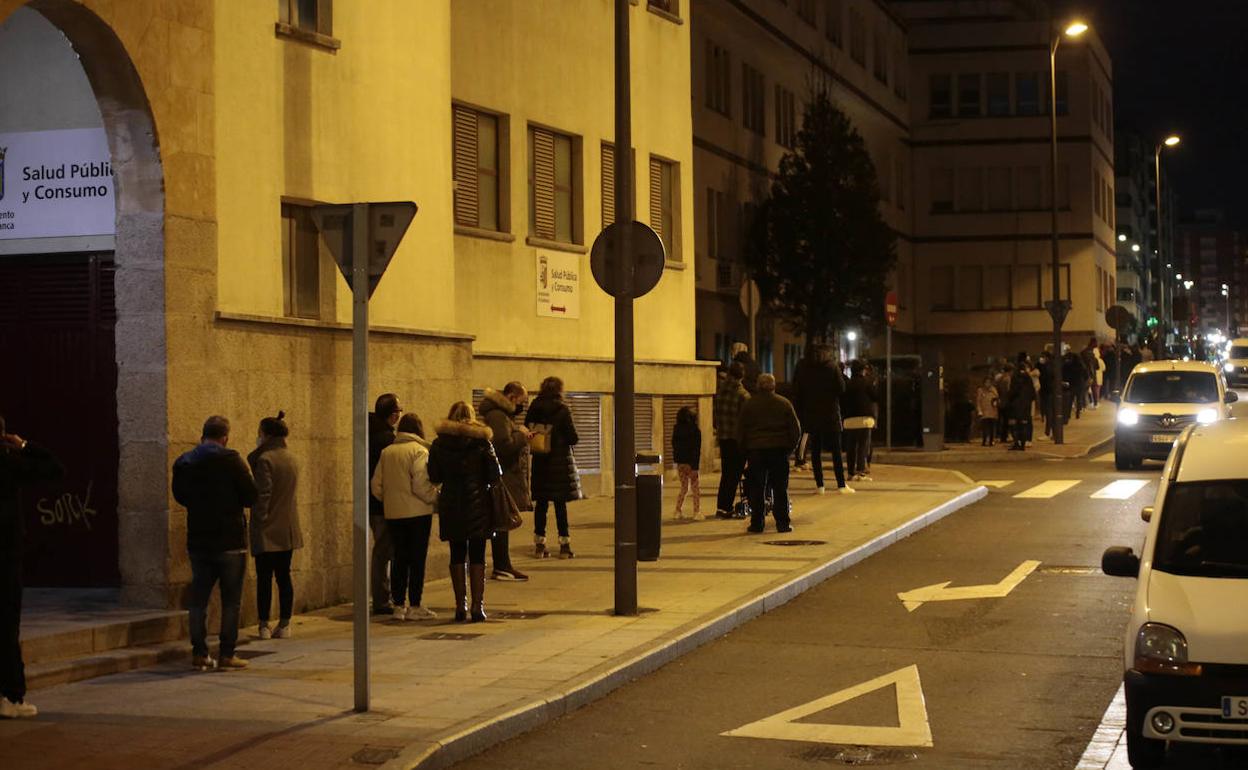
[{"x": 401, "y": 482}]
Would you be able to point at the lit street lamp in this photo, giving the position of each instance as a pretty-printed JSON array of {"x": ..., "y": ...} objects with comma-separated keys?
[
  {"x": 1058, "y": 308},
  {"x": 1170, "y": 141},
  {"x": 1226, "y": 295}
]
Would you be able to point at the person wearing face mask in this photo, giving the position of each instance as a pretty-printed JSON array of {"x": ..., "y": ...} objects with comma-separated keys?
[{"x": 275, "y": 530}]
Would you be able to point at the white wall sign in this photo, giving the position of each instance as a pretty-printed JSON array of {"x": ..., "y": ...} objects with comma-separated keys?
[
  {"x": 55, "y": 184},
  {"x": 558, "y": 284}
]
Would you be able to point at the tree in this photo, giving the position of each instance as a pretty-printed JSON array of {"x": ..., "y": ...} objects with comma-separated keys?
[{"x": 818, "y": 247}]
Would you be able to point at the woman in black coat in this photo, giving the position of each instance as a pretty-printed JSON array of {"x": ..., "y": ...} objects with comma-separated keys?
[
  {"x": 555, "y": 479},
  {"x": 1022, "y": 396},
  {"x": 462, "y": 460}
]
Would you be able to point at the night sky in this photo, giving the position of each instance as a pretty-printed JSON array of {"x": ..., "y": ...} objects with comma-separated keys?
[{"x": 1182, "y": 66}]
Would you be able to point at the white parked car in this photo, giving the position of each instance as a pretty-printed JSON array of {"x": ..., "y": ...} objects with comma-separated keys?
[
  {"x": 1162, "y": 398},
  {"x": 1186, "y": 647}
]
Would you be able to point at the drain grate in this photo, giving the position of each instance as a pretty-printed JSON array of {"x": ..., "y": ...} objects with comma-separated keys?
[
  {"x": 516, "y": 615},
  {"x": 858, "y": 756},
  {"x": 443, "y": 636},
  {"x": 1059, "y": 569},
  {"x": 372, "y": 756},
  {"x": 788, "y": 543}
]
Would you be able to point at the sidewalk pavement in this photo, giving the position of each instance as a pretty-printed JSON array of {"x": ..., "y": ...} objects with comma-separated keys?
[
  {"x": 1087, "y": 435},
  {"x": 443, "y": 691}
]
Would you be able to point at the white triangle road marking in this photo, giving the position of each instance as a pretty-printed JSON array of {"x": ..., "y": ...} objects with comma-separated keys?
[
  {"x": 1122, "y": 489},
  {"x": 1048, "y": 489},
  {"x": 997, "y": 483},
  {"x": 940, "y": 592},
  {"x": 912, "y": 725}
]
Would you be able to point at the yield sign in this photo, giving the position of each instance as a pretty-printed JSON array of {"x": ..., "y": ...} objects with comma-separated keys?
[
  {"x": 387, "y": 222},
  {"x": 912, "y": 728},
  {"x": 940, "y": 592}
]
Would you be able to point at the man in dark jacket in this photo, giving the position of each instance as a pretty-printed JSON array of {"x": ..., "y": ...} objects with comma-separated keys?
[
  {"x": 511, "y": 444},
  {"x": 381, "y": 425},
  {"x": 726, "y": 414},
  {"x": 750, "y": 368},
  {"x": 215, "y": 485},
  {"x": 21, "y": 464},
  {"x": 1074, "y": 380},
  {"x": 769, "y": 430},
  {"x": 818, "y": 386}
]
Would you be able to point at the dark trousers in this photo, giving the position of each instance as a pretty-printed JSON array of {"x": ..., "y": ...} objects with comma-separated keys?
[
  {"x": 539, "y": 517},
  {"x": 271, "y": 565},
  {"x": 471, "y": 551},
  {"x": 831, "y": 442},
  {"x": 988, "y": 429},
  {"x": 206, "y": 570},
  {"x": 411, "y": 546},
  {"x": 383, "y": 554},
  {"x": 12, "y": 669},
  {"x": 768, "y": 469},
  {"x": 732, "y": 463},
  {"x": 1022, "y": 432},
  {"x": 500, "y": 549},
  {"x": 856, "y": 450}
]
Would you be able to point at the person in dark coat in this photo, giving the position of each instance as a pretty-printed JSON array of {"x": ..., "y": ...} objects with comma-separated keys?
[
  {"x": 555, "y": 479},
  {"x": 817, "y": 390},
  {"x": 769, "y": 430},
  {"x": 858, "y": 402},
  {"x": 511, "y": 444},
  {"x": 381, "y": 424},
  {"x": 462, "y": 460},
  {"x": 21, "y": 464},
  {"x": 1074, "y": 381},
  {"x": 275, "y": 530},
  {"x": 730, "y": 397},
  {"x": 1021, "y": 398},
  {"x": 1045, "y": 395},
  {"x": 741, "y": 355},
  {"x": 214, "y": 484},
  {"x": 687, "y": 454}
]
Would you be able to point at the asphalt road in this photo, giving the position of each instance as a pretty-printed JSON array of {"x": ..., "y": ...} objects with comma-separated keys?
[{"x": 1019, "y": 681}]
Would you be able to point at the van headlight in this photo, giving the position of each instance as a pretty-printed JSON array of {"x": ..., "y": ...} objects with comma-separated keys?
[
  {"x": 1128, "y": 416},
  {"x": 1160, "y": 649},
  {"x": 1206, "y": 416},
  {"x": 1228, "y": 367}
]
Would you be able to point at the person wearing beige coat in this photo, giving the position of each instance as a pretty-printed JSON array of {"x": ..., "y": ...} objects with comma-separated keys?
[
  {"x": 275, "y": 530},
  {"x": 401, "y": 482}
]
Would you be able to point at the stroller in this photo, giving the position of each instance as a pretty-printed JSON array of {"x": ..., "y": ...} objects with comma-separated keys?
[{"x": 742, "y": 509}]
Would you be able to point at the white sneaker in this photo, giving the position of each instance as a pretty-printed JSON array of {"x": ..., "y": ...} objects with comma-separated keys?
[
  {"x": 696, "y": 517},
  {"x": 820, "y": 490},
  {"x": 401, "y": 614},
  {"x": 282, "y": 632},
  {"x": 265, "y": 632},
  {"x": 845, "y": 490},
  {"x": 421, "y": 612},
  {"x": 11, "y": 710}
]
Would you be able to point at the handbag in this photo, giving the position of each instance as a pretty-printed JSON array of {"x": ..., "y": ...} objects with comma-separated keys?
[
  {"x": 505, "y": 514},
  {"x": 859, "y": 423},
  {"x": 539, "y": 439}
]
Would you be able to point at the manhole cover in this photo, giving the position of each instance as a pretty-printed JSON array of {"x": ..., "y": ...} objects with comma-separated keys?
[
  {"x": 858, "y": 756},
  {"x": 442, "y": 636},
  {"x": 794, "y": 542},
  {"x": 371, "y": 756}
]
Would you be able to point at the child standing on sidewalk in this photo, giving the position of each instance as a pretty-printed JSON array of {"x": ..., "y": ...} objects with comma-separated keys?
[
  {"x": 687, "y": 451},
  {"x": 986, "y": 403}
]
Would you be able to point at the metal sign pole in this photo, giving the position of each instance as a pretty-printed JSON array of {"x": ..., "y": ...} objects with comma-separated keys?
[
  {"x": 888, "y": 387},
  {"x": 625, "y": 440},
  {"x": 359, "y": 419}
]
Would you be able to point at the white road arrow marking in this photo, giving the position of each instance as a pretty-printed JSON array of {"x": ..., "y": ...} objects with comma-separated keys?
[
  {"x": 912, "y": 726},
  {"x": 937, "y": 592}
]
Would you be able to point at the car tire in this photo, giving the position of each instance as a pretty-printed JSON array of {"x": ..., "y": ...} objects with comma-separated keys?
[
  {"x": 1144, "y": 752},
  {"x": 1124, "y": 461}
]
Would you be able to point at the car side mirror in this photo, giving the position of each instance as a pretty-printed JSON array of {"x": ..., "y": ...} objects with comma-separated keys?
[
  {"x": 1231, "y": 397},
  {"x": 1146, "y": 513},
  {"x": 1120, "y": 561}
]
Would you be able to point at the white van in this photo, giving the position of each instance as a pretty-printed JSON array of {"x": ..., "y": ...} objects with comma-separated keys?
[{"x": 1186, "y": 650}]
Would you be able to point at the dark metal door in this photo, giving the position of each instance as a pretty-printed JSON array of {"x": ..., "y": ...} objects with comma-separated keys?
[{"x": 58, "y": 388}]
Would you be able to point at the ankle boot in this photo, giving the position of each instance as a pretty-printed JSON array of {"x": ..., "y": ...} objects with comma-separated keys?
[
  {"x": 565, "y": 548},
  {"x": 539, "y": 547},
  {"x": 476, "y": 580},
  {"x": 458, "y": 586}
]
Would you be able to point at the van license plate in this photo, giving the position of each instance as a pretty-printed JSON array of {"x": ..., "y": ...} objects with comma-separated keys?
[
  {"x": 1234, "y": 707},
  {"x": 1163, "y": 438}
]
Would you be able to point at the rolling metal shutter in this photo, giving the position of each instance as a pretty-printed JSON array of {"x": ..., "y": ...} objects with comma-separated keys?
[
  {"x": 587, "y": 417},
  {"x": 643, "y": 424},
  {"x": 672, "y": 405}
]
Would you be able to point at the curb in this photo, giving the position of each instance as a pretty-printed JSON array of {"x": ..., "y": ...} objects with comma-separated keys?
[
  {"x": 455, "y": 747},
  {"x": 957, "y": 457}
]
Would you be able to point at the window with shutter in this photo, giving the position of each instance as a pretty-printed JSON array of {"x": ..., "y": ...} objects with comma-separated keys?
[
  {"x": 475, "y": 164},
  {"x": 552, "y": 186},
  {"x": 663, "y": 204},
  {"x": 464, "y": 167},
  {"x": 316, "y": 16},
  {"x": 608, "y": 184},
  {"x": 301, "y": 260}
]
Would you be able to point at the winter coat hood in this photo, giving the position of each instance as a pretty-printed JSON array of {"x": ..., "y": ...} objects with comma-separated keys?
[
  {"x": 494, "y": 400},
  {"x": 464, "y": 430}
]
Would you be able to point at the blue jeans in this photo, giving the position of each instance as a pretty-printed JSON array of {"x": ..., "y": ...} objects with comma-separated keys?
[{"x": 206, "y": 570}]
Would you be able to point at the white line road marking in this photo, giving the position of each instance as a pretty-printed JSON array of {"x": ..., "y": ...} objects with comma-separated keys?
[
  {"x": 912, "y": 730},
  {"x": 998, "y": 484},
  {"x": 1048, "y": 489},
  {"x": 1107, "y": 749},
  {"x": 1123, "y": 489},
  {"x": 939, "y": 592}
]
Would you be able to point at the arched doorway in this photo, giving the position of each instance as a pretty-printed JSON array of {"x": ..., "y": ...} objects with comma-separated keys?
[{"x": 85, "y": 324}]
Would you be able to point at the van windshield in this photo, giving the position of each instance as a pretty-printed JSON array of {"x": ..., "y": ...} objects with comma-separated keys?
[
  {"x": 1239, "y": 351},
  {"x": 1172, "y": 388},
  {"x": 1204, "y": 530}
]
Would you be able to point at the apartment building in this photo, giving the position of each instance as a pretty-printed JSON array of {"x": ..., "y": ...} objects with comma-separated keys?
[
  {"x": 980, "y": 142},
  {"x": 1213, "y": 254},
  {"x": 1143, "y": 254},
  {"x": 754, "y": 65}
]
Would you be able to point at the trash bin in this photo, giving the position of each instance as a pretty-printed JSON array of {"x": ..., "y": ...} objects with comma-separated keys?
[{"x": 649, "y": 506}]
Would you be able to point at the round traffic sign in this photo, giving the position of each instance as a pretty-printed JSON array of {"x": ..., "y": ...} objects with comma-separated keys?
[
  {"x": 1118, "y": 317},
  {"x": 647, "y": 263}
]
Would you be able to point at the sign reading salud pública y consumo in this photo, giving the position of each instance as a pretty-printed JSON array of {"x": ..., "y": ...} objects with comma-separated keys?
[{"x": 55, "y": 184}]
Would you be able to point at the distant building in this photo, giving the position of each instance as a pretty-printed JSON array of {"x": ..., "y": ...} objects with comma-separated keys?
[{"x": 1213, "y": 254}]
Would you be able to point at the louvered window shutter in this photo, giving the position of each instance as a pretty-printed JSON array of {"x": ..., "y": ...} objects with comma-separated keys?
[
  {"x": 608, "y": 185},
  {"x": 656, "y": 197},
  {"x": 325, "y": 17},
  {"x": 467, "y": 204},
  {"x": 543, "y": 184}
]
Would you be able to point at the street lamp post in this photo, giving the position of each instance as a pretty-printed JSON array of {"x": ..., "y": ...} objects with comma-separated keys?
[
  {"x": 1226, "y": 295},
  {"x": 1057, "y": 309},
  {"x": 1170, "y": 141}
]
